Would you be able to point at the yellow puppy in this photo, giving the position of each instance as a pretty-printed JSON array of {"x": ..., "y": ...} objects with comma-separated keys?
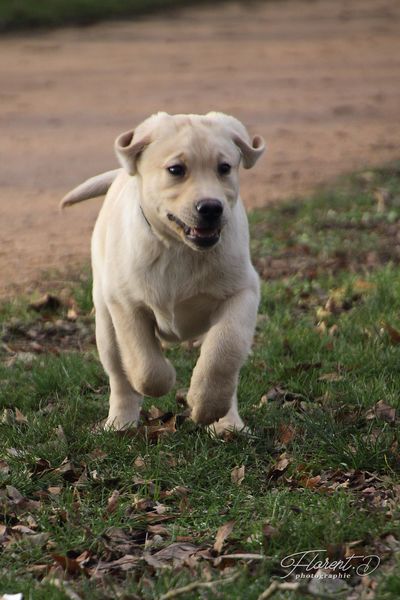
[{"x": 171, "y": 261}]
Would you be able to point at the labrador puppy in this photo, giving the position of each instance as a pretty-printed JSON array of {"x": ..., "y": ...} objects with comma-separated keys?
[{"x": 171, "y": 262}]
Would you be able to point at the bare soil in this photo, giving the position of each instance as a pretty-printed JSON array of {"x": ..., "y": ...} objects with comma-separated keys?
[{"x": 320, "y": 80}]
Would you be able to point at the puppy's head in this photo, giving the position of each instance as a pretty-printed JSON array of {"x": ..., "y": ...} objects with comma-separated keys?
[{"x": 187, "y": 167}]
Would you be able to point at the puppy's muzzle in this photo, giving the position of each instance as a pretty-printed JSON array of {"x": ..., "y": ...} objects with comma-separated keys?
[{"x": 207, "y": 231}]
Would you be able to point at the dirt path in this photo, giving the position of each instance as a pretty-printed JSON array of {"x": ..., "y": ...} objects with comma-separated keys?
[{"x": 320, "y": 80}]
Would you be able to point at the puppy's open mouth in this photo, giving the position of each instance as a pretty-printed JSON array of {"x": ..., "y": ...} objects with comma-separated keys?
[{"x": 203, "y": 237}]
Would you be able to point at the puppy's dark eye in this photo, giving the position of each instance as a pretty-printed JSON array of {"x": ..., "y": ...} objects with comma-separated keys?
[
  {"x": 177, "y": 170},
  {"x": 224, "y": 168}
]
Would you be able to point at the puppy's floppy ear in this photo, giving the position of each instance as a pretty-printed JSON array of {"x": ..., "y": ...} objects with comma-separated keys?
[
  {"x": 250, "y": 149},
  {"x": 127, "y": 147},
  {"x": 130, "y": 144}
]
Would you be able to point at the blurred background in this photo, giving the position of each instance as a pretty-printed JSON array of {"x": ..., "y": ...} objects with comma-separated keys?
[{"x": 319, "y": 79}]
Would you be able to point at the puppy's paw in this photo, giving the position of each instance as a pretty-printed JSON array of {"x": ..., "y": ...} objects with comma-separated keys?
[
  {"x": 228, "y": 425},
  {"x": 207, "y": 410},
  {"x": 121, "y": 421},
  {"x": 156, "y": 381}
]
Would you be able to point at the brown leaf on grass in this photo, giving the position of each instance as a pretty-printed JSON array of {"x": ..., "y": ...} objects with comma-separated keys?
[
  {"x": 7, "y": 417},
  {"x": 278, "y": 393},
  {"x": 4, "y": 467},
  {"x": 71, "y": 566},
  {"x": 15, "y": 502},
  {"x": 331, "y": 377},
  {"x": 382, "y": 197},
  {"x": 158, "y": 529},
  {"x": 69, "y": 471},
  {"x": 126, "y": 541},
  {"x": 60, "y": 433},
  {"x": 143, "y": 504},
  {"x": 181, "y": 396},
  {"x": 97, "y": 454},
  {"x": 178, "y": 490},
  {"x": 154, "y": 412},
  {"x": 154, "y": 432},
  {"x": 237, "y": 475},
  {"x": 361, "y": 286},
  {"x": 47, "y": 303},
  {"x": 223, "y": 532},
  {"x": 286, "y": 433},
  {"x": 268, "y": 532},
  {"x": 72, "y": 314},
  {"x": 125, "y": 563},
  {"x": 394, "y": 334},
  {"x": 139, "y": 462},
  {"x": 112, "y": 503},
  {"x": 15, "y": 495},
  {"x": 174, "y": 554},
  {"x": 310, "y": 482},
  {"x": 382, "y": 411},
  {"x": 385, "y": 412},
  {"x": 38, "y": 570},
  {"x": 19, "y": 417},
  {"x": 42, "y": 465},
  {"x": 279, "y": 467},
  {"x": 154, "y": 517}
]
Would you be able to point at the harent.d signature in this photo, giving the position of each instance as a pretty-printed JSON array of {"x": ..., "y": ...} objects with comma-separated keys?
[{"x": 310, "y": 561}]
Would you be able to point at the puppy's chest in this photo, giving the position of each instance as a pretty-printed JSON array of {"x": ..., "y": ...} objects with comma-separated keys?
[{"x": 184, "y": 299}]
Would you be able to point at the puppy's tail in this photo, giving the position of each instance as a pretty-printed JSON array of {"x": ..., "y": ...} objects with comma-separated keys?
[{"x": 91, "y": 188}]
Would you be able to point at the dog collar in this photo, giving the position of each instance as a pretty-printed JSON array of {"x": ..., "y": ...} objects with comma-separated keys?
[{"x": 144, "y": 217}]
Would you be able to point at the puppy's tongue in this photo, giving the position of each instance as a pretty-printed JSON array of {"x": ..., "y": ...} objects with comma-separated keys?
[{"x": 205, "y": 233}]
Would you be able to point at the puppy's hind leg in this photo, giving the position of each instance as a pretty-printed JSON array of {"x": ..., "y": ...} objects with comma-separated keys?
[{"x": 125, "y": 402}]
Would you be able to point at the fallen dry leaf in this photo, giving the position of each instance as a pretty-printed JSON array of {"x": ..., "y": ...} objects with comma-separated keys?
[
  {"x": 153, "y": 432},
  {"x": 112, "y": 502},
  {"x": 181, "y": 396},
  {"x": 70, "y": 565},
  {"x": 19, "y": 417},
  {"x": 279, "y": 467},
  {"x": 4, "y": 467},
  {"x": 72, "y": 315},
  {"x": 310, "y": 482},
  {"x": 139, "y": 462},
  {"x": 385, "y": 412},
  {"x": 361, "y": 285},
  {"x": 155, "y": 413},
  {"x": 286, "y": 433},
  {"x": 178, "y": 490},
  {"x": 269, "y": 532},
  {"x": 331, "y": 377},
  {"x": 382, "y": 411},
  {"x": 125, "y": 563},
  {"x": 394, "y": 334},
  {"x": 158, "y": 529},
  {"x": 237, "y": 475},
  {"x": 175, "y": 553},
  {"x": 278, "y": 393},
  {"x": 47, "y": 303},
  {"x": 223, "y": 532}
]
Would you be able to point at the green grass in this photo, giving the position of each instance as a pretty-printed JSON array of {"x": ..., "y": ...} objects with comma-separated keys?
[
  {"x": 326, "y": 337},
  {"x": 23, "y": 14}
]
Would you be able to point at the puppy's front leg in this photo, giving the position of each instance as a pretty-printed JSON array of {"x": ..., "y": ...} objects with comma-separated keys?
[
  {"x": 147, "y": 369},
  {"x": 212, "y": 393}
]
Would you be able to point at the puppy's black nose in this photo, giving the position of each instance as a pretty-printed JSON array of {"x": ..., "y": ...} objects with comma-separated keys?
[{"x": 209, "y": 208}]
